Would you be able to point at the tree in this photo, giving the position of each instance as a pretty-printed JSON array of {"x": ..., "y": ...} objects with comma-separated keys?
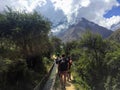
[
  {"x": 112, "y": 60},
  {"x": 56, "y": 43},
  {"x": 23, "y": 36},
  {"x": 91, "y": 66}
]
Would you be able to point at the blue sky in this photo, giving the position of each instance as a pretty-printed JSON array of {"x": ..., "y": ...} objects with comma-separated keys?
[
  {"x": 118, "y": 1},
  {"x": 114, "y": 11}
]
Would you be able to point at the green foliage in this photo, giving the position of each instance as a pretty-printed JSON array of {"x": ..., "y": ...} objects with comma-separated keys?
[
  {"x": 14, "y": 75},
  {"x": 72, "y": 49},
  {"x": 91, "y": 66},
  {"x": 27, "y": 32},
  {"x": 24, "y": 43},
  {"x": 113, "y": 62},
  {"x": 115, "y": 36},
  {"x": 56, "y": 43},
  {"x": 97, "y": 66},
  {"x": 47, "y": 62}
]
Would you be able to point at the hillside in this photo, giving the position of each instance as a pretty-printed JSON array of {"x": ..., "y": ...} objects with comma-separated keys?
[
  {"x": 115, "y": 36},
  {"x": 115, "y": 26},
  {"x": 75, "y": 31}
]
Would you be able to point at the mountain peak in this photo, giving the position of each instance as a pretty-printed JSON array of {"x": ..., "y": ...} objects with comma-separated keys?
[
  {"x": 75, "y": 30},
  {"x": 83, "y": 19}
]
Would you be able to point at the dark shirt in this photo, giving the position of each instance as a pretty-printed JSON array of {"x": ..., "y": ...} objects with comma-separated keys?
[{"x": 63, "y": 64}]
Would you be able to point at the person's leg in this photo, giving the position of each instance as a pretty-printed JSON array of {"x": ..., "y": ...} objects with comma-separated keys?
[
  {"x": 65, "y": 76},
  {"x": 61, "y": 78},
  {"x": 68, "y": 75}
]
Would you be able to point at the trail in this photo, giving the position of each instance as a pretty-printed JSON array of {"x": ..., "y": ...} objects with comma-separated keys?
[{"x": 69, "y": 85}]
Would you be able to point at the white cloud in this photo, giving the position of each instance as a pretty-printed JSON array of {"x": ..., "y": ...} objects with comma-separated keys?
[
  {"x": 28, "y": 5},
  {"x": 110, "y": 21},
  {"x": 55, "y": 10},
  {"x": 95, "y": 11},
  {"x": 70, "y": 7},
  {"x": 64, "y": 5},
  {"x": 85, "y": 3}
]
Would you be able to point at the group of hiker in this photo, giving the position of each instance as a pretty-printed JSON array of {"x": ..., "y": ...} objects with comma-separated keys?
[{"x": 64, "y": 68}]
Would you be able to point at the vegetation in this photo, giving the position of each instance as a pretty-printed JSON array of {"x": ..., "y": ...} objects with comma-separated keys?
[
  {"x": 25, "y": 49},
  {"x": 97, "y": 64},
  {"x": 56, "y": 45},
  {"x": 115, "y": 36}
]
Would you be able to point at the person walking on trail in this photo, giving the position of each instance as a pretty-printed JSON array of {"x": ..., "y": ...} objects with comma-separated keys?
[
  {"x": 69, "y": 68},
  {"x": 63, "y": 67},
  {"x": 57, "y": 62}
]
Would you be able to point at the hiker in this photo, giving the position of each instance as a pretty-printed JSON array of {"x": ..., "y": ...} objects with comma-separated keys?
[
  {"x": 63, "y": 67},
  {"x": 69, "y": 68},
  {"x": 57, "y": 62},
  {"x": 58, "y": 58}
]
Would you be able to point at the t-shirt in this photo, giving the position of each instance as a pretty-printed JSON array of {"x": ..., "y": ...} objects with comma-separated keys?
[{"x": 63, "y": 64}]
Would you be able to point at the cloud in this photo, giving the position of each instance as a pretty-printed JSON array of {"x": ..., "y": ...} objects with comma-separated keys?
[
  {"x": 110, "y": 21},
  {"x": 69, "y": 10},
  {"x": 27, "y": 5},
  {"x": 92, "y": 10},
  {"x": 85, "y": 3},
  {"x": 70, "y": 7}
]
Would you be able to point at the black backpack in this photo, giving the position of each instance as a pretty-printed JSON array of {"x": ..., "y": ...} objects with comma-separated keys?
[{"x": 63, "y": 64}]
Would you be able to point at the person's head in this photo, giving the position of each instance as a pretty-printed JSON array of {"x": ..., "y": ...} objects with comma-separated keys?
[{"x": 63, "y": 55}]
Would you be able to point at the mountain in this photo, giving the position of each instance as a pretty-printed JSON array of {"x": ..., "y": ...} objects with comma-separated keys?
[
  {"x": 75, "y": 30},
  {"x": 115, "y": 26},
  {"x": 115, "y": 36}
]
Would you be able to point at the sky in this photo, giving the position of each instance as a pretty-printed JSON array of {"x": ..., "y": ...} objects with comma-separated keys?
[
  {"x": 102, "y": 12},
  {"x": 114, "y": 11}
]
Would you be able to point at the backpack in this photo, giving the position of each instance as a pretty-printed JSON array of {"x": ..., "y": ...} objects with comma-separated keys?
[{"x": 63, "y": 64}]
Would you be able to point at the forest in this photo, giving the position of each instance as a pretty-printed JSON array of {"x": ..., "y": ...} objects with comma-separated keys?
[
  {"x": 97, "y": 62},
  {"x": 26, "y": 49}
]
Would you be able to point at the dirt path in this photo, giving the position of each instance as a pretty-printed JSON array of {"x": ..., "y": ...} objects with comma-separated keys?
[{"x": 69, "y": 85}]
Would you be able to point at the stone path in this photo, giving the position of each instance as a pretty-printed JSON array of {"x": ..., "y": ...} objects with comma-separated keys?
[{"x": 49, "y": 84}]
